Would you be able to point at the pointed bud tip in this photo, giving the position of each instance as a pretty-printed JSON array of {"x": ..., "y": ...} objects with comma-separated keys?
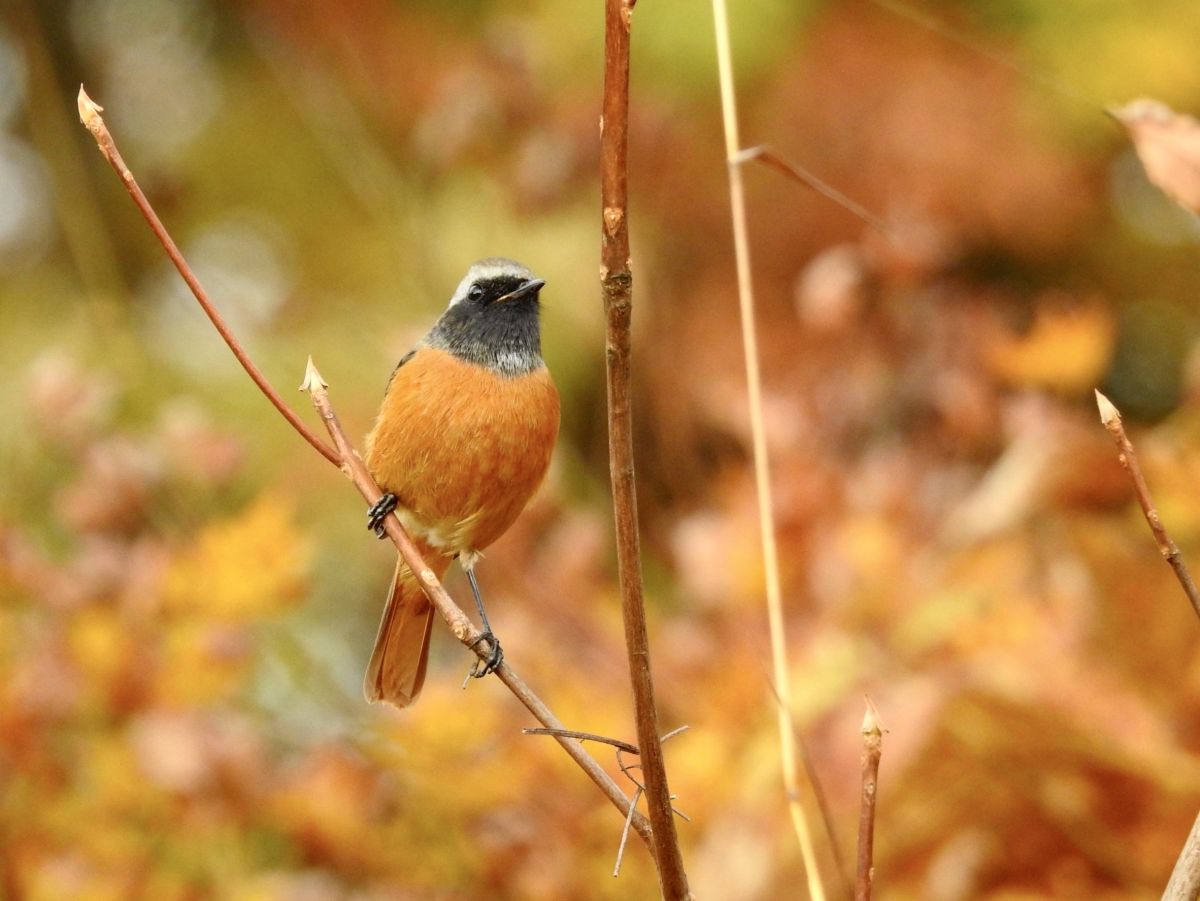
[
  {"x": 312, "y": 378},
  {"x": 870, "y": 723},
  {"x": 1109, "y": 414},
  {"x": 88, "y": 108}
]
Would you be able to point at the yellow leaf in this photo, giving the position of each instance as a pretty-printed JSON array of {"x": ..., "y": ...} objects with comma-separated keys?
[
  {"x": 99, "y": 644},
  {"x": 202, "y": 662},
  {"x": 242, "y": 568},
  {"x": 1067, "y": 350}
]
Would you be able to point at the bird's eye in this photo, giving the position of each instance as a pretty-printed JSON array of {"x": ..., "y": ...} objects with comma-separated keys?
[{"x": 475, "y": 293}]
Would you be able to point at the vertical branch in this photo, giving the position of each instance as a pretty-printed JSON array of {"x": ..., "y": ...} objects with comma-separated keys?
[
  {"x": 872, "y": 733},
  {"x": 762, "y": 475},
  {"x": 616, "y": 284}
]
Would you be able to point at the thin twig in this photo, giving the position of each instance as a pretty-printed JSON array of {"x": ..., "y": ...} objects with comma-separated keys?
[
  {"x": 1111, "y": 417},
  {"x": 637, "y": 796},
  {"x": 346, "y": 459},
  {"x": 1185, "y": 878},
  {"x": 678, "y": 730},
  {"x": 616, "y": 284},
  {"x": 639, "y": 789},
  {"x": 762, "y": 475},
  {"x": 769, "y": 157},
  {"x": 872, "y": 733},
  {"x": 585, "y": 736},
  {"x": 89, "y": 115},
  {"x": 628, "y": 768}
]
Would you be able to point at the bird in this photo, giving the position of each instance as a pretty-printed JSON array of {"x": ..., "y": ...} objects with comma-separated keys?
[{"x": 463, "y": 439}]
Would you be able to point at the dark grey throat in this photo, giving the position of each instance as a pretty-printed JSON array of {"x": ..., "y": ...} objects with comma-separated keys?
[{"x": 504, "y": 337}]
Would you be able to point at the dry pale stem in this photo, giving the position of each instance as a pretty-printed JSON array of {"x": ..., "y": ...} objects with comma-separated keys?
[
  {"x": 346, "y": 459},
  {"x": 762, "y": 475},
  {"x": 769, "y": 157},
  {"x": 617, "y": 287}
]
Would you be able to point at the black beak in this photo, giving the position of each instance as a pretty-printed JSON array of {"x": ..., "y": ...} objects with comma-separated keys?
[{"x": 530, "y": 287}]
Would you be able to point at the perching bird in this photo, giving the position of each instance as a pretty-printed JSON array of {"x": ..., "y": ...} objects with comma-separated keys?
[{"x": 461, "y": 443}]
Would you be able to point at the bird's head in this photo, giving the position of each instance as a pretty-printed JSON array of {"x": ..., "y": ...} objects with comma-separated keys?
[{"x": 492, "y": 319}]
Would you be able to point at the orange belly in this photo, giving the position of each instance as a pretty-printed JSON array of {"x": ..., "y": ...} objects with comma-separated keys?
[{"x": 462, "y": 448}]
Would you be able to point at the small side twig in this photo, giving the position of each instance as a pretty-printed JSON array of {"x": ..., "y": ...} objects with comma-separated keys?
[
  {"x": 769, "y": 157},
  {"x": 585, "y": 736},
  {"x": 1111, "y": 417},
  {"x": 637, "y": 796},
  {"x": 627, "y": 769},
  {"x": 872, "y": 733}
]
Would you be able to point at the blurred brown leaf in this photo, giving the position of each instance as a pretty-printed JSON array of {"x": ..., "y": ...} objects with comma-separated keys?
[{"x": 1168, "y": 144}]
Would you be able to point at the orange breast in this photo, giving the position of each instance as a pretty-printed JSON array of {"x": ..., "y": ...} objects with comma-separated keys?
[{"x": 461, "y": 447}]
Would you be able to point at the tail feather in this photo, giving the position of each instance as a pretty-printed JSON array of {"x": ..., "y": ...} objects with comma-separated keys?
[{"x": 396, "y": 671}]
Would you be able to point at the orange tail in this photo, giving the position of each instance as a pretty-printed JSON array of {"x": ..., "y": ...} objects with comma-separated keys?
[{"x": 397, "y": 668}]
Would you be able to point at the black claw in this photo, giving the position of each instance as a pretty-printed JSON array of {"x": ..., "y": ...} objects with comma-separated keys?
[
  {"x": 495, "y": 658},
  {"x": 378, "y": 512}
]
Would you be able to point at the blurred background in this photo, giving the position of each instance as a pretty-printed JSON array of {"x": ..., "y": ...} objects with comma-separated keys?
[{"x": 188, "y": 595}]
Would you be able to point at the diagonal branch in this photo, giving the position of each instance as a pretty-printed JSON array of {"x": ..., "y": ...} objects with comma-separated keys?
[
  {"x": 1110, "y": 416},
  {"x": 462, "y": 627},
  {"x": 89, "y": 115},
  {"x": 769, "y": 157},
  {"x": 346, "y": 459}
]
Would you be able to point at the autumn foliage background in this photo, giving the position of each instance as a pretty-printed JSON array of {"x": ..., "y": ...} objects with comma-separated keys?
[{"x": 187, "y": 592}]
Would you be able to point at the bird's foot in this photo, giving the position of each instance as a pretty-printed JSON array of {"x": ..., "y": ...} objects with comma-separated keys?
[
  {"x": 378, "y": 512},
  {"x": 484, "y": 667}
]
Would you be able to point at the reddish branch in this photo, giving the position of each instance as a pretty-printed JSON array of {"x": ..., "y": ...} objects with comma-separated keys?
[
  {"x": 617, "y": 286},
  {"x": 89, "y": 114},
  {"x": 346, "y": 459},
  {"x": 872, "y": 734},
  {"x": 1185, "y": 879},
  {"x": 1111, "y": 417}
]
